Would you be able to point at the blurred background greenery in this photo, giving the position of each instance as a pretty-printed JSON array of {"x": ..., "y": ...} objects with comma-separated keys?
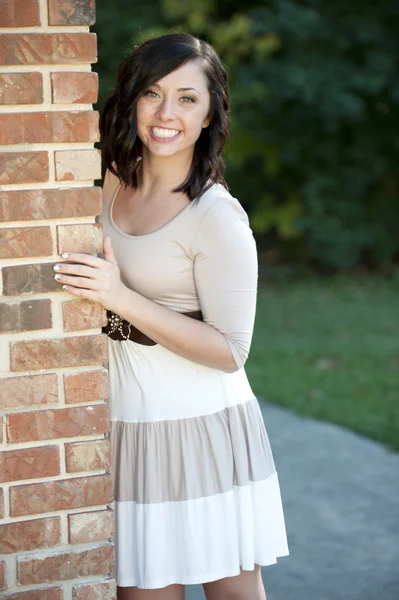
[{"x": 313, "y": 159}]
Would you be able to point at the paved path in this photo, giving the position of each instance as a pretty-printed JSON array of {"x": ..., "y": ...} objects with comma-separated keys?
[{"x": 341, "y": 503}]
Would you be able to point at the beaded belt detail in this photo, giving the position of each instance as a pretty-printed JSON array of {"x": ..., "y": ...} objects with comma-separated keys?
[{"x": 121, "y": 330}]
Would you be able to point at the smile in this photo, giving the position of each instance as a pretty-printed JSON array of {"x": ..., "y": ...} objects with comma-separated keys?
[{"x": 161, "y": 133}]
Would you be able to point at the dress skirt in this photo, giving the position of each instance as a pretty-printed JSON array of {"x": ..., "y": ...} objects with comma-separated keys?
[{"x": 196, "y": 492}]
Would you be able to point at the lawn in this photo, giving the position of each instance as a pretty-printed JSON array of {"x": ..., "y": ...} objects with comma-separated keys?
[{"x": 329, "y": 349}]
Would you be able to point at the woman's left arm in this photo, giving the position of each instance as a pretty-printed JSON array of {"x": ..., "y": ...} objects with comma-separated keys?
[{"x": 225, "y": 270}]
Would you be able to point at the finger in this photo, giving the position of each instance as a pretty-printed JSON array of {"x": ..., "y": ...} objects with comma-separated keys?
[
  {"x": 76, "y": 269},
  {"x": 79, "y": 282},
  {"x": 81, "y": 293},
  {"x": 108, "y": 250},
  {"x": 85, "y": 259}
]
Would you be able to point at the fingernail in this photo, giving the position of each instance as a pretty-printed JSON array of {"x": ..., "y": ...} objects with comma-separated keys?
[
  {"x": 57, "y": 277},
  {"x": 65, "y": 255},
  {"x": 57, "y": 267},
  {"x": 64, "y": 287}
]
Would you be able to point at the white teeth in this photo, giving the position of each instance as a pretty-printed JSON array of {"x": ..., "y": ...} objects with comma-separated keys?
[{"x": 165, "y": 133}]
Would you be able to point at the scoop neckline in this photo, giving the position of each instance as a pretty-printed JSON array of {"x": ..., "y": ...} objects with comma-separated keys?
[{"x": 143, "y": 235}]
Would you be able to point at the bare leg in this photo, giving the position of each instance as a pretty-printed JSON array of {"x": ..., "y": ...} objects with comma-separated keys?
[
  {"x": 246, "y": 586},
  {"x": 171, "y": 592}
]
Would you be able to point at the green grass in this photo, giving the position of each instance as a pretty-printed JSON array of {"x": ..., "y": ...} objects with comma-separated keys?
[{"x": 330, "y": 350}]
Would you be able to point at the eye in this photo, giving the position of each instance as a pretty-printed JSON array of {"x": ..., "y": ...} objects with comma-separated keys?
[
  {"x": 150, "y": 93},
  {"x": 187, "y": 99}
]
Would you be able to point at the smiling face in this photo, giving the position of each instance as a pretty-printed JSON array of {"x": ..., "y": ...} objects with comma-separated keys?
[{"x": 172, "y": 112}]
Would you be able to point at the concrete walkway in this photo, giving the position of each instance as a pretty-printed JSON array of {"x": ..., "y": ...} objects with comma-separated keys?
[{"x": 341, "y": 503}]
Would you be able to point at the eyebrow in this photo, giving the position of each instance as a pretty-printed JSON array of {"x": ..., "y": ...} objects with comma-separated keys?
[{"x": 183, "y": 89}]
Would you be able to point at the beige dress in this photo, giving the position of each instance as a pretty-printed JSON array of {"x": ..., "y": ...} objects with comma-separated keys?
[{"x": 196, "y": 490}]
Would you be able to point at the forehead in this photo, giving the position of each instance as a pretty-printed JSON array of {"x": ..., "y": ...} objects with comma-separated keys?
[{"x": 190, "y": 74}]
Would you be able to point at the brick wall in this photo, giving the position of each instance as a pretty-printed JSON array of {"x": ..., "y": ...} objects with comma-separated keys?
[{"x": 55, "y": 524}]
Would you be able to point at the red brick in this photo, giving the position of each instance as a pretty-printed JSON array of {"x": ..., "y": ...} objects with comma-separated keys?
[
  {"x": 47, "y": 48},
  {"x": 104, "y": 590},
  {"x": 34, "y": 498},
  {"x": 29, "y": 279},
  {"x": 91, "y": 526},
  {"x": 49, "y": 127},
  {"x": 21, "y": 88},
  {"x": 65, "y": 12},
  {"x": 21, "y": 242},
  {"x": 3, "y": 575},
  {"x": 77, "y": 165},
  {"x": 28, "y": 205},
  {"x": 59, "y": 423},
  {"x": 68, "y": 565},
  {"x": 29, "y": 463},
  {"x": 2, "y": 507},
  {"x": 23, "y": 167},
  {"x": 19, "y": 13},
  {"x": 86, "y": 238},
  {"x": 53, "y": 593},
  {"x": 83, "y": 314},
  {"x": 28, "y": 391},
  {"x": 73, "y": 87},
  {"x": 68, "y": 352},
  {"x": 88, "y": 386},
  {"x": 30, "y": 315},
  {"x": 29, "y": 535},
  {"x": 88, "y": 456}
]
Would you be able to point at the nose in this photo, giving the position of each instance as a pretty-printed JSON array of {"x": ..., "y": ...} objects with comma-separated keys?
[{"x": 165, "y": 110}]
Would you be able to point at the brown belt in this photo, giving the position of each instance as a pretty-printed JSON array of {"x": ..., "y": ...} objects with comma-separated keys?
[{"x": 121, "y": 330}]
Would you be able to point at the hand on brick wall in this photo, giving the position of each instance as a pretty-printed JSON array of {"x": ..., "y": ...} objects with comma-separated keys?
[{"x": 96, "y": 279}]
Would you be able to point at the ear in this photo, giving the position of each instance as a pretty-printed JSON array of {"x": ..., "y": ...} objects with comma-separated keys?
[{"x": 206, "y": 123}]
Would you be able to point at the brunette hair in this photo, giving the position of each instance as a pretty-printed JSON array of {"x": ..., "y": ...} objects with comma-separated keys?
[{"x": 143, "y": 66}]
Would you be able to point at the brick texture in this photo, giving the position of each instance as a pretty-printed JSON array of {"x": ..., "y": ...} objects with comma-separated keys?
[
  {"x": 55, "y": 527},
  {"x": 19, "y": 13},
  {"x": 59, "y": 423},
  {"x": 35, "y": 498},
  {"x": 29, "y": 279},
  {"x": 29, "y": 535},
  {"x": 21, "y": 88},
  {"x": 23, "y": 167},
  {"x": 90, "y": 526},
  {"x": 48, "y": 593},
  {"x": 88, "y": 386},
  {"x": 83, "y": 314},
  {"x": 17, "y": 392},
  {"x": 68, "y": 565},
  {"x": 49, "y": 204},
  {"x": 47, "y": 48},
  {"x": 105, "y": 590},
  {"x": 19, "y": 242},
  {"x": 80, "y": 238},
  {"x": 65, "y": 12},
  {"x": 3, "y": 575},
  {"x": 74, "y": 87},
  {"x": 2, "y": 508},
  {"x": 45, "y": 127},
  {"x": 30, "y": 463},
  {"x": 87, "y": 456},
  {"x": 30, "y": 315},
  {"x": 50, "y": 354},
  {"x": 77, "y": 165}
]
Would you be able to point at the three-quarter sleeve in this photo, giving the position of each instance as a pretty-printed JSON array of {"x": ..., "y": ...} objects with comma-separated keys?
[{"x": 226, "y": 274}]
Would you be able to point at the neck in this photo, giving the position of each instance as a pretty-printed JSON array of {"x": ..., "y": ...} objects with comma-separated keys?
[{"x": 163, "y": 173}]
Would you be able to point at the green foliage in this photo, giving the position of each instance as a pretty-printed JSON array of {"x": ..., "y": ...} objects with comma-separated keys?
[
  {"x": 341, "y": 369},
  {"x": 315, "y": 94}
]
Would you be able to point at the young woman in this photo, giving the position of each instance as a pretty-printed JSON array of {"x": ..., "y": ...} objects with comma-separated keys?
[{"x": 197, "y": 497}]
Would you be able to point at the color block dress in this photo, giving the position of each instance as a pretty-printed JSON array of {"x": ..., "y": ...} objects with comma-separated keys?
[{"x": 195, "y": 485}]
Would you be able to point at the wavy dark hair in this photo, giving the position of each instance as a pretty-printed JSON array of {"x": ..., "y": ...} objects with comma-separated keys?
[{"x": 143, "y": 66}]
